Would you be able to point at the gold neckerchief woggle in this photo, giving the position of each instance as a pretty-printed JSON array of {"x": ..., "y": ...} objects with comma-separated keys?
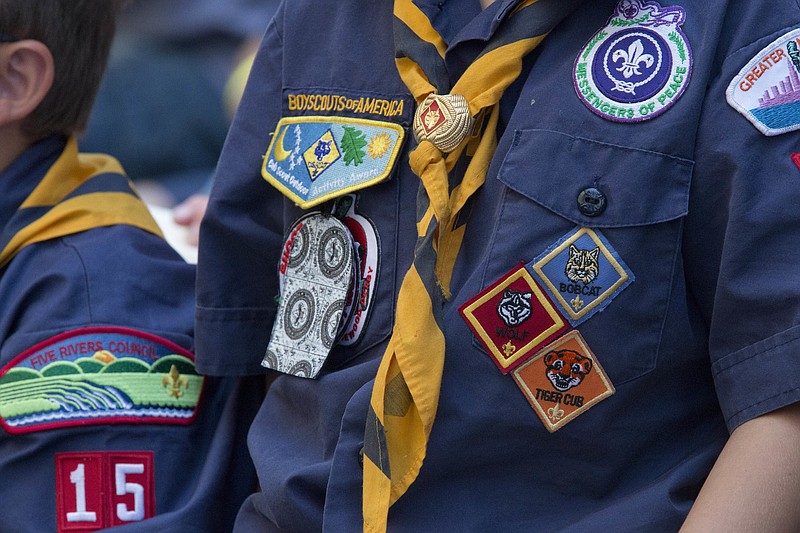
[{"x": 406, "y": 390}]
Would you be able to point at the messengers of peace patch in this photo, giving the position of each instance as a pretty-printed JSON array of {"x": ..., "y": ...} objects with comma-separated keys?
[{"x": 315, "y": 159}]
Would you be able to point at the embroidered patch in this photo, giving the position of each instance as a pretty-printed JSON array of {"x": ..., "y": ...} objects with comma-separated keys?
[
  {"x": 563, "y": 381},
  {"x": 314, "y": 159},
  {"x": 767, "y": 89},
  {"x": 98, "y": 490},
  {"x": 359, "y": 303},
  {"x": 582, "y": 272},
  {"x": 99, "y": 376},
  {"x": 319, "y": 268},
  {"x": 796, "y": 160},
  {"x": 638, "y": 65},
  {"x": 512, "y": 318}
]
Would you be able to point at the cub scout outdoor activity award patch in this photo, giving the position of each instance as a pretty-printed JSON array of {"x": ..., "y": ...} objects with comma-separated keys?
[
  {"x": 582, "y": 272},
  {"x": 318, "y": 274},
  {"x": 314, "y": 159},
  {"x": 638, "y": 65},
  {"x": 512, "y": 318},
  {"x": 767, "y": 89},
  {"x": 99, "y": 376},
  {"x": 563, "y": 380}
]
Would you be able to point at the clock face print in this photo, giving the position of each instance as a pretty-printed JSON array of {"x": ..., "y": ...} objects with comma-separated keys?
[
  {"x": 299, "y": 315},
  {"x": 300, "y": 246},
  {"x": 333, "y": 250},
  {"x": 330, "y": 323}
]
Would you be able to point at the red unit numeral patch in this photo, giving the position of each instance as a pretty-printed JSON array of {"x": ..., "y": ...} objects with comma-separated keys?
[{"x": 97, "y": 490}]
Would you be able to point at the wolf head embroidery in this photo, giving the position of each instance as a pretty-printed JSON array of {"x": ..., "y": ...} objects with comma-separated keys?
[
  {"x": 515, "y": 307},
  {"x": 582, "y": 265}
]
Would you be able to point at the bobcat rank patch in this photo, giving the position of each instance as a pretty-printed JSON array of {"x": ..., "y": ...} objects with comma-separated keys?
[
  {"x": 582, "y": 272},
  {"x": 99, "y": 375},
  {"x": 314, "y": 159},
  {"x": 638, "y": 65},
  {"x": 767, "y": 89},
  {"x": 512, "y": 318},
  {"x": 563, "y": 380}
]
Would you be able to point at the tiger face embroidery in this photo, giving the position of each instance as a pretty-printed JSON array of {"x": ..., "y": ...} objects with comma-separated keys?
[
  {"x": 515, "y": 307},
  {"x": 582, "y": 265},
  {"x": 566, "y": 368}
]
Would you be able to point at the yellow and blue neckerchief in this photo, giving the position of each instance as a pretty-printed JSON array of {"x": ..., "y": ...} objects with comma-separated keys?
[{"x": 79, "y": 192}]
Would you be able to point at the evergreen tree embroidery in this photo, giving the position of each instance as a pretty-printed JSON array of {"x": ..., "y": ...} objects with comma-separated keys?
[{"x": 352, "y": 143}]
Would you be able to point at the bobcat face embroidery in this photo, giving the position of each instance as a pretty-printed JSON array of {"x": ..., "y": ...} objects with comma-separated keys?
[
  {"x": 515, "y": 307},
  {"x": 582, "y": 265},
  {"x": 566, "y": 368}
]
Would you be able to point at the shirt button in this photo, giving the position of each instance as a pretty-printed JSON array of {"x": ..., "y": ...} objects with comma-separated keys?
[{"x": 591, "y": 202}]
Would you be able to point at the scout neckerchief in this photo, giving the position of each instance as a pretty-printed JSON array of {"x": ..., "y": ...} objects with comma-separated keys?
[
  {"x": 406, "y": 390},
  {"x": 79, "y": 192}
]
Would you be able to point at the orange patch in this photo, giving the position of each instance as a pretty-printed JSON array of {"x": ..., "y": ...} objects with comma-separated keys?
[{"x": 563, "y": 380}]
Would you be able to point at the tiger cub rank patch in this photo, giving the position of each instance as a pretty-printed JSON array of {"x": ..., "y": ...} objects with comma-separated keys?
[
  {"x": 512, "y": 318},
  {"x": 767, "y": 89},
  {"x": 315, "y": 159},
  {"x": 582, "y": 272},
  {"x": 99, "y": 375},
  {"x": 563, "y": 380},
  {"x": 637, "y": 66}
]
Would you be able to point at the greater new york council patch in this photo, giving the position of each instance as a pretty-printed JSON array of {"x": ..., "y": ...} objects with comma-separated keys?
[
  {"x": 767, "y": 89},
  {"x": 102, "y": 375}
]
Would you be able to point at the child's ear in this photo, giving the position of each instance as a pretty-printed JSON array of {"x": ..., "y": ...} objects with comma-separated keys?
[{"x": 26, "y": 76}]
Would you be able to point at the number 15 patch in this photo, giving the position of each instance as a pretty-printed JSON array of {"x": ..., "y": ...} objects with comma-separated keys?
[{"x": 97, "y": 490}]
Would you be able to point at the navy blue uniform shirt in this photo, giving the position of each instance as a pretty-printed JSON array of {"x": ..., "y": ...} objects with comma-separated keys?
[
  {"x": 698, "y": 208},
  {"x": 76, "y": 288}
]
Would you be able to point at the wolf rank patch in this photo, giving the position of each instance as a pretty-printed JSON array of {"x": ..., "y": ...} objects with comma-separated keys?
[
  {"x": 767, "y": 89},
  {"x": 99, "y": 376},
  {"x": 582, "y": 272},
  {"x": 315, "y": 159},
  {"x": 512, "y": 318},
  {"x": 638, "y": 65},
  {"x": 563, "y": 380}
]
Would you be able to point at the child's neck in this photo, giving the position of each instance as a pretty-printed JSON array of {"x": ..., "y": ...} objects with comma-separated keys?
[{"x": 12, "y": 144}]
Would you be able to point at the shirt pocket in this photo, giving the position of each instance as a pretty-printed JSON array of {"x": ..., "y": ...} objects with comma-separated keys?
[{"x": 645, "y": 195}]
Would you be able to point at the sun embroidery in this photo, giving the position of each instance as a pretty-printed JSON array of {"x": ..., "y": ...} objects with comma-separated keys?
[{"x": 379, "y": 145}]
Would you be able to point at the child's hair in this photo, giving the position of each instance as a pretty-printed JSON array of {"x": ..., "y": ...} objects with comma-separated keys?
[{"x": 78, "y": 34}]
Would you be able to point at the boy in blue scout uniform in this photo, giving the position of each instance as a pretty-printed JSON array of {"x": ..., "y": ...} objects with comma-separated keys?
[
  {"x": 621, "y": 319},
  {"x": 104, "y": 420}
]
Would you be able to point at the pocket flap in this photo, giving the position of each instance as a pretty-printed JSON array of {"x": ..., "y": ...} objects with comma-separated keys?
[{"x": 640, "y": 186}]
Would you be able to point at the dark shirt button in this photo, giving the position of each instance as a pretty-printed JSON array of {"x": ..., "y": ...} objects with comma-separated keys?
[
  {"x": 591, "y": 202},
  {"x": 361, "y": 457}
]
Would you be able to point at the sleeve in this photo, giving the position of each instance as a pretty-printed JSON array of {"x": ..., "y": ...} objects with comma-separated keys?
[
  {"x": 742, "y": 245},
  {"x": 241, "y": 233}
]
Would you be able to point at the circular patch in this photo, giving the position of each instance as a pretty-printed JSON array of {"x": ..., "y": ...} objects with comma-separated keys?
[
  {"x": 637, "y": 66},
  {"x": 333, "y": 251},
  {"x": 299, "y": 246},
  {"x": 330, "y": 323},
  {"x": 299, "y": 315}
]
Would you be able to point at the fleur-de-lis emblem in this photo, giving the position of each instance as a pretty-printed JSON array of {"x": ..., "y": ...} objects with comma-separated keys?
[
  {"x": 173, "y": 382},
  {"x": 509, "y": 349},
  {"x": 576, "y": 303},
  {"x": 555, "y": 413},
  {"x": 632, "y": 58}
]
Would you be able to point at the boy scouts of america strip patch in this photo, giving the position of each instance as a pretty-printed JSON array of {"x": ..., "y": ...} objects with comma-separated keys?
[
  {"x": 582, "y": 273},
  {"x": 637, "y": 66},
  {"x": 314, "y": 159},
  {"x": 512, "y": 318},
  {"x": 563, "y": 380},
  {"x": 99, "y": 376},
  {"x": 767, "y": 89}
]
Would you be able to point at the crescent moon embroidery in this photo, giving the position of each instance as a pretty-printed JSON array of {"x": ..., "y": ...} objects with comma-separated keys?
[{"x": 280, "y": 152}]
